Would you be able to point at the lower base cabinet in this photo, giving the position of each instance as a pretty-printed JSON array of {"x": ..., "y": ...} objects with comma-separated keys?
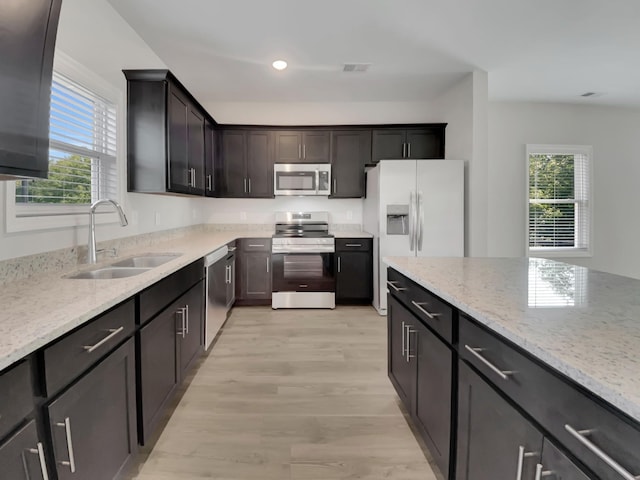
[
  {"x": 190, "y": 331},
  {"x": 494, "y": 440},
  {"x": 22, "y": 456},
  {"x": 93, "y": 423}
]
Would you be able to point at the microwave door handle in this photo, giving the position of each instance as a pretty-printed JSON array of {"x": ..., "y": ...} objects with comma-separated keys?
[{"x": 317, "y": 181}]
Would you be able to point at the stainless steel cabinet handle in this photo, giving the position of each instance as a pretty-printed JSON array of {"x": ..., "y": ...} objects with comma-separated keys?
[
  {"x": 249, "y": 182},
  {"x": 245, "y": 185},
  {"x": 581, "y": 435},
  {"x": 404, "y": 150},
  {"x": 112, "y": 333},
  {"x": 304, "y": 150},
  {"x": 408, "y": 150},
  {"x": 256, "y": 245},
  {"x": 353, "y": 245},
  {"x": 392, "y": 285},
  {"x": 338, "y": 264},
  {"x": 503, "y": 374},
  {"x": 409, "y": 332},
  {"x": 72, "y": 460},
  {"x": 521, "y": 456},
  {"x": 210, "y": 182},
  {"x": 183, "y": 315},
  {"x": 304, "y": 285},
  {"x": 299, "y": 152},
  {"x": 193, "y": 176},
  {"x": 226, "y": 274},
  {"x": 187, "y": 317},
  {"x": 335, "y": 188},
  {"x": 268, "y": 262},
  {"x": 43, "y": 462},
  {"x": 403, "y": 339},
  {"x": 540, "y": 473},
  {"x": 432, "y": 316}
]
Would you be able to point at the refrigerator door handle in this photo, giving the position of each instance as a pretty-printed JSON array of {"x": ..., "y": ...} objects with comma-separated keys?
[
  {"x": 420, "y": 222},
  {"x": 412, "y": 223}
]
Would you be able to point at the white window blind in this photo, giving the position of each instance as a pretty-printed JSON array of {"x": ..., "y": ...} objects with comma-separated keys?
[
  {"x": 559, "y": 210},
  {"x": 82, "y": 154}
]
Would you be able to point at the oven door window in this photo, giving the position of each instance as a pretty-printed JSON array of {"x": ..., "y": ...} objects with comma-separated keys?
[
  {"x": 303, "y": 272},
  {"x": 297, "y": 181}
]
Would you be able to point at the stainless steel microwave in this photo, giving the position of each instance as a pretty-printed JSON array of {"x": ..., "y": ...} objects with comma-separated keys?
[{"x": 302, "y": 179}]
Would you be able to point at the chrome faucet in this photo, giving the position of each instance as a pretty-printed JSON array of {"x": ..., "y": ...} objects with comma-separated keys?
[{"x": 92, "y": 255}]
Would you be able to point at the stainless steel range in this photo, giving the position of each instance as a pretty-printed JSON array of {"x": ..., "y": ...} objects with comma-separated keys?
[{"x": 302, "y": 259}]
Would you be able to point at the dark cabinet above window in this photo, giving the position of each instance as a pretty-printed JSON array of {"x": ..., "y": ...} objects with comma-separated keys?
[
  {"x": 168, "y": 149},
  {"x": 27, "y": 41}
]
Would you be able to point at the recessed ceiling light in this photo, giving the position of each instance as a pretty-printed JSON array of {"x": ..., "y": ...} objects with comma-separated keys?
[{"x": 279, "y": 64}]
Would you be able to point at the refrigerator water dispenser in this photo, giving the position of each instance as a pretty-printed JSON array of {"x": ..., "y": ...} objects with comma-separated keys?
[{"x": 397, "y": 219}]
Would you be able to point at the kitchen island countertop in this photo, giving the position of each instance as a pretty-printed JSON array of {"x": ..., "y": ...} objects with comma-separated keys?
[{"x": 584, "y": 323}]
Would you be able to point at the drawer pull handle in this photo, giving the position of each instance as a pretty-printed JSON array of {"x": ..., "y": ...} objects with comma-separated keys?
[
  {"x": 432, "y": 316},
  {"x": 183, "y": 321},
  {"x": 43, "y": 462},
  {"x": 581, "y": 435},
  {"x": 503, "y": 374},
  {"x": 255, "y": 245},
  {"x": 112, "y": 333},
  {"x": 408, "y": 337},
  {"x": 392, "y": 285},
  {"x": 353, "y": 245},
  {"x": 72, "y": 460},
  {"x": 521, "y": 456}
]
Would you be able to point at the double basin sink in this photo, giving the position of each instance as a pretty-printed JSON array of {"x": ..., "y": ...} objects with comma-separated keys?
[{"x": 127, "y": 267}]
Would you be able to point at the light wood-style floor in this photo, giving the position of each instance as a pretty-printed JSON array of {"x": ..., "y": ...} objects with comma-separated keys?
[{"x": 290, "y": 395}]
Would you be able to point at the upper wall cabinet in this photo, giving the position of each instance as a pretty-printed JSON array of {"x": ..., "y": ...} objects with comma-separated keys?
[
  {"x": 350, "y": 151},
  {"x": 303, "y": 146},
  {"x": 166, "y": 130},
  {"x": 247, "y": 158},
  {"x": 426, "y": 141},
  {"x": 27, "y": 41}
]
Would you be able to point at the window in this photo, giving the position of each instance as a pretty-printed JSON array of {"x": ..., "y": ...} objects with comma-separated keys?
[
  {"x": 559, "y": 204},
  {"x": 82, "y": 154}
]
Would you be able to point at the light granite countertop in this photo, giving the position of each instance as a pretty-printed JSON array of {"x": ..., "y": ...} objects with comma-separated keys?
[
  {"x": 37, "y": 311},
  {"x": 583, "y": 323}
]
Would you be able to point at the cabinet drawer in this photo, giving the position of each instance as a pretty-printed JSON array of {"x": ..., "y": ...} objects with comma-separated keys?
[
  {"x": 353, "y": 244},
  {"x": 155, "y": 298},
  {"x": 555, "y": 402},
  {"x": 16, "y": 399},
  {"x": 255, "y": 244},
  {"x": 75, "y": 353},
  {"x": 433, "y": 312}
]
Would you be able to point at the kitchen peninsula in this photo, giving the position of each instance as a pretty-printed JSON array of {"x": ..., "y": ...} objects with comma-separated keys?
[{"x": 544, "y": 374}]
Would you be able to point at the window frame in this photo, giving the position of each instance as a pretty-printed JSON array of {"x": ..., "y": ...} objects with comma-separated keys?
[
  {"x": 555, "y": 252},
  {"x": 47, "y": 217}
]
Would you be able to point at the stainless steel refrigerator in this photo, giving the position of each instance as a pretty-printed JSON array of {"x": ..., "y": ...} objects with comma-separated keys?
[{"x": 413, "y": 208}]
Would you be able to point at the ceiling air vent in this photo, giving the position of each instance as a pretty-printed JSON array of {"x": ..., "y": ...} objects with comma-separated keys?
[{"x": 356, "y": 67}]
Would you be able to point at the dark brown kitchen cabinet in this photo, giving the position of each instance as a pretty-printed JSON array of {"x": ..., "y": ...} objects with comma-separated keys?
[
  {"x": 493, "y": 436},
  {"x": 302, "y": 146},
  {"x": 92, "y": 423},
  {"x": 247, "y": 163},
  {"x": 190, "y": 328},
  {"x": 165, "y": 135},
  {"x": 350, "y": 151},
  {"x": 253, "y": 263},
  {"x": 211, "y": 159},
  {"x": 27, "y": 42},
  {"x": 421, "y": 142},
  {"x": 557, "y": 466},
  {"x": 401, "y": 367},
  {"x": 354, "y": 270},
  {"x": 16, "y": 400},
  {"x": 22, "y": 456}
]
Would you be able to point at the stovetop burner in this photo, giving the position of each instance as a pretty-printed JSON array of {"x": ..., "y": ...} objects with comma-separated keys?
[{"x": 302, "y": 225}]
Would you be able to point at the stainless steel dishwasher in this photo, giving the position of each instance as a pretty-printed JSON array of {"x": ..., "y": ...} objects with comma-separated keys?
[{"x": 220, "y": 290}]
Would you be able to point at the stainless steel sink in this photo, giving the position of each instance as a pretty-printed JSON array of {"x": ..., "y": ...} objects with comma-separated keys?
[
  {"x": 109, "y": 273},
  {"x": 147, "y": 261}
]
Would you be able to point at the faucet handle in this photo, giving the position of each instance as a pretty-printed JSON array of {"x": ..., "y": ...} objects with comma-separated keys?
[{"x": 112, "y": 251}]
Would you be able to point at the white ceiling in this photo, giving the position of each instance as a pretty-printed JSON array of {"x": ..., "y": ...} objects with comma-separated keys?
[{"x": 539, "y": 50}]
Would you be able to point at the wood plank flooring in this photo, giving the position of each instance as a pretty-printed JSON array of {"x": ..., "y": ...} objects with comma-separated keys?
[{"x": 290, "y": 395}]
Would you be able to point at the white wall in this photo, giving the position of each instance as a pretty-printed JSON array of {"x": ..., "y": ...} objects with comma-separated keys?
[
  {"x": 93, "y": 34},
  {"x": 614, "y": 134},
  {"x": 464, "y": 108}
]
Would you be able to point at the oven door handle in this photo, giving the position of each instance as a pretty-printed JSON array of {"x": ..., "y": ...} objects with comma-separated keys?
[{"x": 317, "y": 181}]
